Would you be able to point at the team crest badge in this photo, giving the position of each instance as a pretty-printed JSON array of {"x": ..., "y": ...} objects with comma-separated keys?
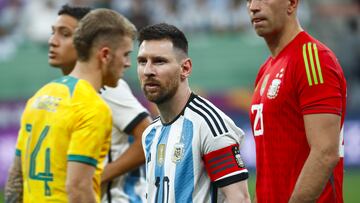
[
  {"x": 178, "y": 152},
  {"x": 263, "y": 85},
  {"x": 275, "y": 85},
  {"x": 236, "y": 153},
  {"x": 161, "y": 154}
]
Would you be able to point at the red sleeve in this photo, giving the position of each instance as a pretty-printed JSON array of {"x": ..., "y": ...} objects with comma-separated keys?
[
  {"x": 225, "y": 167},
  {"x": 319, "y": 81}
]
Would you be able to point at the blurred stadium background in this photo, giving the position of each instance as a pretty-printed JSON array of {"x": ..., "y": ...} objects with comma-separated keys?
[{"x": 225, "y": 50}]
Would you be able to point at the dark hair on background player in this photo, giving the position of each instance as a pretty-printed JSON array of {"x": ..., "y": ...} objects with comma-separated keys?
[
  {"x": 164, "y": 31},
  {"x": 74, "y": 11}
]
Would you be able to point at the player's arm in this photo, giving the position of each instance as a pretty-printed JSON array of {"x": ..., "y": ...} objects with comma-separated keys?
[
  {"x": 132, "y": 158},
  {"x": 323, "y": 135},
  {"x": 90, "y": 140},
  {"x": 225, "y": 166},
  {"x": 255, "y": 198},
  {"x": 14, "y": 185},
  {"x": 236, "y": 192},
  {"x": 79, "y": 185},
  {"x": 227, "y": 172}
]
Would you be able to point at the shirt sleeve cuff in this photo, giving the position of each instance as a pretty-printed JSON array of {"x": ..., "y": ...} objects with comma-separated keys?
[{"x": 82, "y": 159}]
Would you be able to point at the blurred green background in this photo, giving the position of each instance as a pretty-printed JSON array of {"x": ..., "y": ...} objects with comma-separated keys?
[
  {"x": 225, "y": 50},
  {"x": 220, "y": 62}
]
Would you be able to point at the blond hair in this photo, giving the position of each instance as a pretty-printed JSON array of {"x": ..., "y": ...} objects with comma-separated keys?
[{"x": 101, "y": 26}]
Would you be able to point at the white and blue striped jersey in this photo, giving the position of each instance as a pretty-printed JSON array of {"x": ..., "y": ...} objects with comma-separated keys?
[
  {"x": 190, "y": 157},
  {"x": 127, "y": 112}
]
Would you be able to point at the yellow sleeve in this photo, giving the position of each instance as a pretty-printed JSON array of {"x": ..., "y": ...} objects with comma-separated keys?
[
  {"x": 20, "y": 142},
  {"x": 91, "y": 134},
  {"x": 23, "y": 134}
]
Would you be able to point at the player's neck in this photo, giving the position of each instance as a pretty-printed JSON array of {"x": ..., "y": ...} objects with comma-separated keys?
[
  {"x": 170, "y": 109},
  {"x": 89, "y": 72},
  {"x": 66, "y": 70},
  {"x": 277, "y": 42}
]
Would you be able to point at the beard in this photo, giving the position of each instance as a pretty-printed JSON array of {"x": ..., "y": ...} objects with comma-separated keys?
[
  {"x": 111, "y": 76},
  {"x": 164, "y": 92}
]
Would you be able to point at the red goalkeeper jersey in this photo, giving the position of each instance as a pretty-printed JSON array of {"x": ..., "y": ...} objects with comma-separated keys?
[{"x": 305, "y": 78}]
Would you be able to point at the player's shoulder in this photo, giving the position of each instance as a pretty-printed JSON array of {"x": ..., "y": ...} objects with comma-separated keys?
[
  {"x": 120, "y": 93},
  {"x": 84, "y": 95},
  {"x": 156, "y": 122},
  {"x": 56, "y": 90},
  {"x": 313, "y": 53},
  {"x": 70, "y": 84},
  {"x": 204, "y": 113},
  {"x": 153, "y": 126},
  {"x": 308, "y": 46}
]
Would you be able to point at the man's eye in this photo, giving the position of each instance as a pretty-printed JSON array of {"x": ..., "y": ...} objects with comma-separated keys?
[
  {"x": 159, "y": 62},
  {"x": 142, "y": 62}
]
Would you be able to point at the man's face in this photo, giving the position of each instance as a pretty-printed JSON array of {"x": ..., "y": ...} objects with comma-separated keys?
[
  {"x": 268, "y": 17},
  {"x": 159, "y": 70},
  {"x": 62, "y": 52},
  {"x": 119, "y": 61}
]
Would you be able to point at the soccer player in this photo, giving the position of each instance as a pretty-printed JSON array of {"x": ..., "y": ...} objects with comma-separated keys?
[
  {"x": 192, "y": 149},
  {"x": 297, "y": 111},
  {"x": 121, "y": 183},
  {"x": 66, "y": 126}
]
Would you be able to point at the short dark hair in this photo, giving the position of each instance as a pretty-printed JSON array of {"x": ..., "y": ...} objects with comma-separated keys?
[
  {"x": 101, "y": 26},
  {"x": 74, "y": 11},
  {"x": 164, "y": 31}
]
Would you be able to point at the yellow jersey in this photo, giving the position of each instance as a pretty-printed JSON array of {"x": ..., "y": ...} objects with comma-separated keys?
[{"x": 66, "y": 120}]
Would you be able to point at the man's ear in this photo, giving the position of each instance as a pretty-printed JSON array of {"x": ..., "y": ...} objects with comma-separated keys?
[
  {"x": 292, "y": 6},
  {"x": 186, "y": 68},
  {"x": 104, "y": 54}
]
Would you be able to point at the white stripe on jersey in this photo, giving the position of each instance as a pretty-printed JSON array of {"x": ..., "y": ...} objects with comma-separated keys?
[{"x": 174, "y": 166}]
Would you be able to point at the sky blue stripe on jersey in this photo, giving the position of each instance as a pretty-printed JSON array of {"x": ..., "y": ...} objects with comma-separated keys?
[
  {"x": 159, "y": 168},
  {"x": 148, "y": 142},
  {"x": 129, "y": 188},
  {"x": 131, "y": 180},
  {"x": 184, "y": 173}
]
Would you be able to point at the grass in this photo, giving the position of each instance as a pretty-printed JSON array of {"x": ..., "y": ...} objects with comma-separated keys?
[{"x": 351, "y": 186}]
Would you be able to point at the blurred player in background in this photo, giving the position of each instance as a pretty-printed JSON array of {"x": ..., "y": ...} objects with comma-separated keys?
[
  {"x": 66, "y": 126},
  {"x": 192, "y": 149},
  {"x": 122, "y": 179},
  {"x": 297, "y": 111}
]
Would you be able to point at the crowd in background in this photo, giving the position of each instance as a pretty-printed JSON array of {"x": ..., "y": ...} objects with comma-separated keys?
[{"x": 335, "y": 22}]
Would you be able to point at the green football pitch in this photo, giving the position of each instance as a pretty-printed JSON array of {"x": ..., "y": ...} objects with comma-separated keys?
[{"x": 351, "y": 186}]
